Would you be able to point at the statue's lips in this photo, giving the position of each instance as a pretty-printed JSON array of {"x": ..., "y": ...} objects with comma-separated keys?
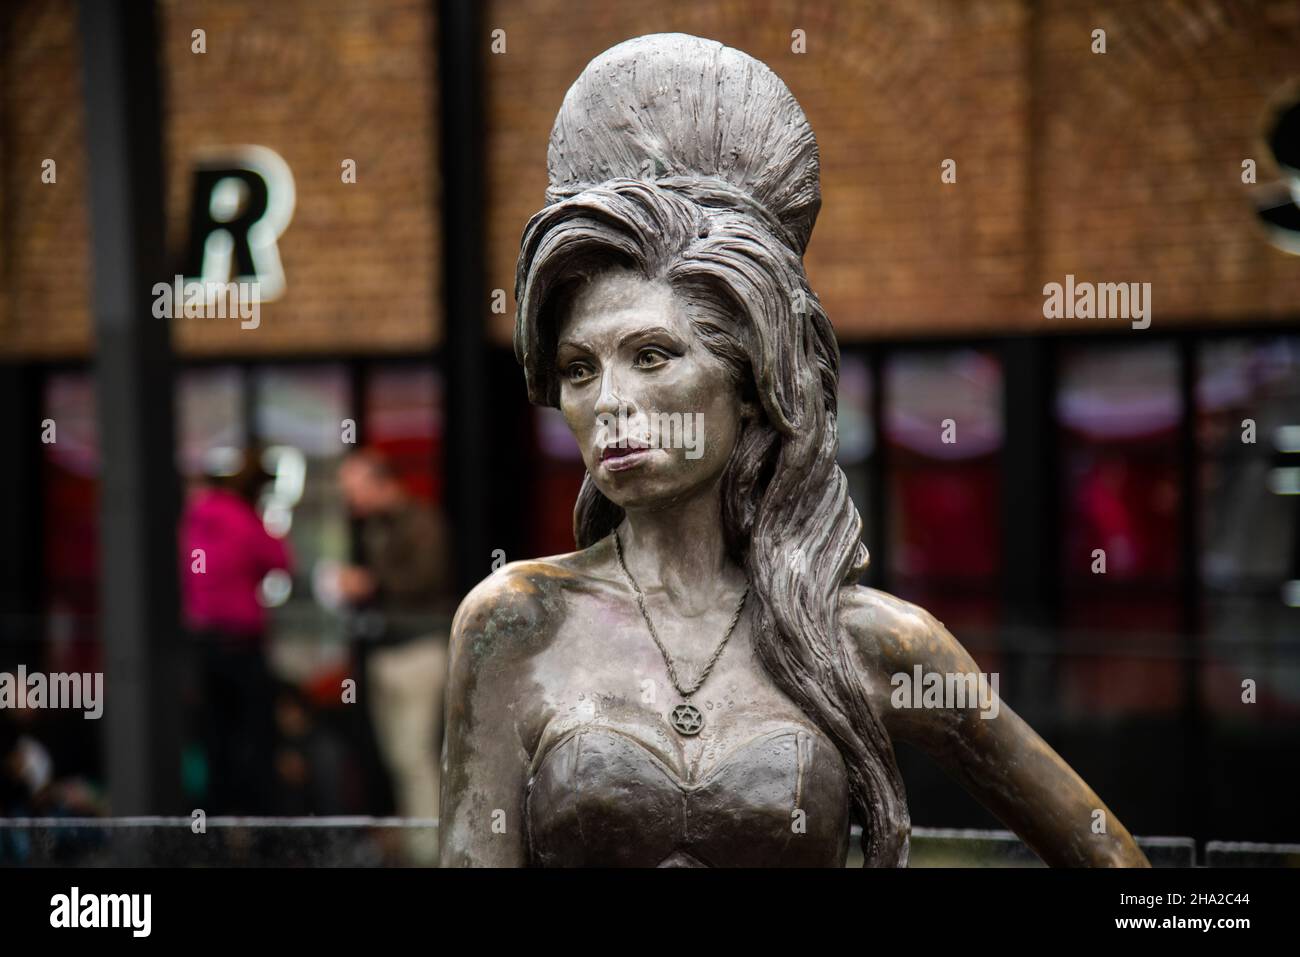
[{"x": 617, "y": 458}]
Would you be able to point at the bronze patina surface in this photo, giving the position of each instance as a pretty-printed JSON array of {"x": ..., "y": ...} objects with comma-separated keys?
[{"x": 665, "y": 278}]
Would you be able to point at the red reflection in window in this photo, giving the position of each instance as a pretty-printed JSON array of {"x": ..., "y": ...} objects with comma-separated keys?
[
  {"x": 948, "y": 521},
  {"x": 404, "y": 420},
  {"x": 71, "y": 520},
  {"x": 1125, "y": 503},
  {"x": 943, "y": 428},
  {"x": 1119, "y": 408}
]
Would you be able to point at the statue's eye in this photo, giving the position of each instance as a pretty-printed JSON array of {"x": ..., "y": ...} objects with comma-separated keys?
[
  {"x": 576, "y": 371},
  {"x": 651, "y": 358}
]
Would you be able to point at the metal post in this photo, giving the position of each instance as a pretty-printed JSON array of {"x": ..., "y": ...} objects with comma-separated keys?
[
  {"x": 139, "y": 494},
  {"x": 460, "y": 51},
  {"x": 1030, "y": 522}
]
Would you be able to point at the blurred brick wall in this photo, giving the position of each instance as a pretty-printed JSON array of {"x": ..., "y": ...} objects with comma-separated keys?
[
  {"x": 44, "y": 236},
  {"x": 1116, "y": 167},
  {"x": 1141, "y": 151},
  {"x": 318, "y": 81},
  {"x": 1122, "y": 167}
]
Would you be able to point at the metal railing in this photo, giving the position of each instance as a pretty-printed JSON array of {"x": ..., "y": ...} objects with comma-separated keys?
[{"x": 385, "y": 841}]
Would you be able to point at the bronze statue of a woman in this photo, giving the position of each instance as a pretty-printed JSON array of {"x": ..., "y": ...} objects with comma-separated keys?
[{"x": 704, "y": 683}]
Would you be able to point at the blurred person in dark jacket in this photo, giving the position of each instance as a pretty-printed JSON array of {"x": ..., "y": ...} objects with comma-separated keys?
[
  {"x": 226, "y": 552},
  {"x": 397, "y": 597}
]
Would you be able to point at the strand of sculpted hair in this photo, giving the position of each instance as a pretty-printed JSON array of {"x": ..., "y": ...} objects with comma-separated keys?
[{"x": 797, "y": 635}]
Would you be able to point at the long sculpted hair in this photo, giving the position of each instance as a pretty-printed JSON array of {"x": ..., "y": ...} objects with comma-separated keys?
[{"x": 724, "y": 224}]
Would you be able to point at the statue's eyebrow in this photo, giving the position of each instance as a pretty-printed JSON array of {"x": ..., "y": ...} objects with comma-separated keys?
[
  {"x": 654, "y": 329},
  {"x": 583, "y": 345},
  {"x": 643, "y": 331}
]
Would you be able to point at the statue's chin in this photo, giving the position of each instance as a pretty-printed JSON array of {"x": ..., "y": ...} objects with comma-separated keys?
[
  {"x": 630, "y": 490},
  {"x": 633, "y": 491}
]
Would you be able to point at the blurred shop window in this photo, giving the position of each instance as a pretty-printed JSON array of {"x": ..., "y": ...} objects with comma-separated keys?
[
  {"x": 943, "y": 428},
  {"x": 404, "y": 419},
  {"x": 404, "y": 416},
  {"x": 209, "y": 415},
  {"x": 857, "y": 434},
  {"x": 71, "y": 523},
  {"x": 559, "y": 478},
  {"x": 298, "y": 414},
  {"x": 1250, "y": 519},
  {"x": 1119, "y": 409}
]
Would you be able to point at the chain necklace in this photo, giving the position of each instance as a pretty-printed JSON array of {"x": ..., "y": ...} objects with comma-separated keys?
[{"x": 686, "y": 719}]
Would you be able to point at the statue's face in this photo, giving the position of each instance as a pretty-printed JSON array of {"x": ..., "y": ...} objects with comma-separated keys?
[{"x": 631, "y": 368}]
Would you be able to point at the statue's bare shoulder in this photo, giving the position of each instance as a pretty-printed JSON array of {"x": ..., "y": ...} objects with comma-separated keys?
[
  {"x": 888, "y": 636},
  {"x": 504, "y": 614},
  {"x": 492, "y": 711},
  {"x": 505, "y": 623},
  {"x": 888, "y": 632},
  {"x": 517, "y": 610}
]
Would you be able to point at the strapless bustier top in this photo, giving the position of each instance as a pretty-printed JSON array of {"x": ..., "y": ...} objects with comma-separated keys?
[{"x": 600, "y": 798}]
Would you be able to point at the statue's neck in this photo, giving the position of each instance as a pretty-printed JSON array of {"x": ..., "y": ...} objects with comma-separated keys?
[{"x": 680, "y": 552}]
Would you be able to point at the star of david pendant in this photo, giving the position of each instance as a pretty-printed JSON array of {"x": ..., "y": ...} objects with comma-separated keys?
[{"x": 686, "y": 719}]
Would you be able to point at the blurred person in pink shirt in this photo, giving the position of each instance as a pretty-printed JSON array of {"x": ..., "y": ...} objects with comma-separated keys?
[{"x": 225, "y": 553}]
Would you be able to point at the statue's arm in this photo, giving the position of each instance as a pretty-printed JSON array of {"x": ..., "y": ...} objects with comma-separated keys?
[
  {"x": 484, "y": 760},
  {"x": 990, "y": 750}
]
